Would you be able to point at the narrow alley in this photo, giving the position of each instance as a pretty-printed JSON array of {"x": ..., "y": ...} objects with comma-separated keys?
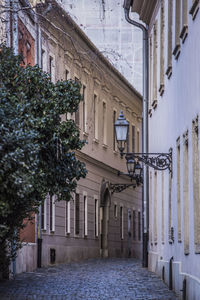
[{"x": 91, "y": 279}]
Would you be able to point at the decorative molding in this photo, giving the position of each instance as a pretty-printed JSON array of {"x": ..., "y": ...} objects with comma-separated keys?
[
  {"x": 185, "y": 138},
  {"x": 184, "y": 33},
  {"x": 178, "y": 142},
  {"x": 154, "y": 104},
  {"x": 194, "y": 9},
  {"x": 78, "y": 63},
  {"x": 177, "y": 51},
  {"x": 169, "y": 72},
  {"x": 196, "y": 125},
  {"x": 116, "y": 99},
  {"x": 68, "y": 54},
  {"x": 97, "y": 81},
  {"x": 105, "y": 89},
  {"x": 150, "y": 112},
  {"x": 162, "y": 89},
  {"x": 86, "y": 71},
  {"x": 128, "y": 109}
]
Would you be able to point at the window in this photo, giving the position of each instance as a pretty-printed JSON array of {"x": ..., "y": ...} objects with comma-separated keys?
[
  {"x": 170, "y": 209},
  {"x": 151, "y": 75},
  {"x": 162, "y": 39},
  {"x": 121, "y": 223},
  {"x": 155, "y": 208},
  {"x": 133, "y": 138},
  {"x": 77, "y": 113},
  {"x": 134, "y": 225},
  {"x": 115, "y": 211},
  {"x": 138, "y": 141},
  {"x": 170, "y": 26},
  {"x": 85, "y": 215},
  {"x": 194, "y": 9},
  {"x": 114, "y": 139},
  {"x": 77, "y": 213},
  {"x": 186, "y": 193},
  {"x": 96, "y": 218},
  {"x": 104, "y": 124},
  {"x": 184, "y": 30},
  {"x": 128, "y": 138},
  {"x": 52, "y": 213},
  {"x": 150, "y": 208},
  {"x": 155, "y": 46},
  {"x": 178, "y": 188},
  {"x": 44, "y": 215},
  {"x": 67, "y": 217},
  {"x": 139, "y": 226},
  {"x": 163, "y": 210},
  {"x": 84, "y": 109},
  {"x": 95, "y": 113},
  {"x": 195, "y": 149},
  {"x": 177, "y": 48},
  {"x": 43, "y": 61},
  {"x": 66, "y": 74}
]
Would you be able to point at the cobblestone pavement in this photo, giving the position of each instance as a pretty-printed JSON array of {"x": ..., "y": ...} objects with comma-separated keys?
[{"x": 115, "y": 279}]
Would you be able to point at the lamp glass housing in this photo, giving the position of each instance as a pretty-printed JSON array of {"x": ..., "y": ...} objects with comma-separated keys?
[
  {"x": 138, "y": 169},
  {"x": 121, "y": 130},
  {"x": 130, "y": 166}
]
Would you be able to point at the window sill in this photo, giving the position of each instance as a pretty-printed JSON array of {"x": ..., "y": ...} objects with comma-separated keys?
[
  {"x": 86, "y": 134},
  {"x": 52, "y": 231},
  {"x": 184, "y": 33},
  {"x": 177, "y": 51},
  {"x": 161, "y": 89},
  {"x": 105, "y": 146},
  {"x": 150, "y": 112},
  {"x": 95, "y": 140},
  {"x": 67, "y": 234},
  {"x": 115, "y": 152},
  {"x": 169, "y": 72},
  {"x": 154, "y": 104},
  {"x": 194, "y": 9}
]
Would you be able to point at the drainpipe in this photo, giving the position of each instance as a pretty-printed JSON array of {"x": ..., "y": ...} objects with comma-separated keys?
[{"x": 145, "y": 146}]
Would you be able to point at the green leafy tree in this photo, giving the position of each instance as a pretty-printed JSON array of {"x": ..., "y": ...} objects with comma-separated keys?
[{"x": 36, "y": 148}]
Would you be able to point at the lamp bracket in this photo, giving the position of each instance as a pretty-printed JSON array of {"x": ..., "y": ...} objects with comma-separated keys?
[
  {"x": 119, "y": 187},
  {"x": 158, "y": 161}
]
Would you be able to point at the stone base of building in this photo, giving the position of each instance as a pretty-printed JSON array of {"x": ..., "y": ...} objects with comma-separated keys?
[{"x": 185, "y": 285}]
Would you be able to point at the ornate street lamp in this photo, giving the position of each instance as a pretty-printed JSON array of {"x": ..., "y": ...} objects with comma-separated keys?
[{"x": 158, "y": 161}]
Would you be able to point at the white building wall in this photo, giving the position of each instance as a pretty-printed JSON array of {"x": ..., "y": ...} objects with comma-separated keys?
[{"x": 173, "y": 115}]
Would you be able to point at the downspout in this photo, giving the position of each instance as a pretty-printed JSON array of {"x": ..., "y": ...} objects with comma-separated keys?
[{"x": 145, "y": 144}]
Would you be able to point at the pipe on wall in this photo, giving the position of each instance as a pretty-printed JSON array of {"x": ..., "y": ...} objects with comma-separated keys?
[{"x": 145, "y": 142}]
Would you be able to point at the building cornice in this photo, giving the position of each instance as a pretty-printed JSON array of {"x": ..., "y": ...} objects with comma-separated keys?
[{"x": 145, "y": 9}]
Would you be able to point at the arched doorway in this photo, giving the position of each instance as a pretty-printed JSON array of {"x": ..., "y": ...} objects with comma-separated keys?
[{"x": 104, "y": 217}]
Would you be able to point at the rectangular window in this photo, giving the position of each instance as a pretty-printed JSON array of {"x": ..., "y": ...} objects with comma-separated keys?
[
  {"x": 96, "y": 218},
  {"x": 84, "y": 109},
  {"x": 162, "y": 40},
  {"x": 134, "y": 225},
  {"x": 128, "y": 139},
  {"x": 133, "y": 138},
  {"x": 170, "y": 209},
  {"x": 170, "y": 28},
  {"x": 66, "y": 74},
  {"x": 44, "y": 215},
  {"x": 95, "y": 113},
  {"x": 139, "y": 226},
  {"x": 43, "y": 61},
  {"x": 67, "y": 217},
  {"x": 138, "y": 141},
  {"x": 155, "y": 49},
  {"x": 177, "y": 48},
  {"x": 52, "y": 213},
  {"x": 114, "y": 139},
  {"x": 121, "y": 223},
  {"x": 85, "y": 215},
  {"x": 77, "y": 213},
  {"x": 155, "y": 208},
  {"x": 184, "y": 30},
  {"x": 115, "y": 211},
  {"x": 150, "y": 208},
  {"x": 104, "y": 124},
  {"x": 196, "y": 195},
  {"x": 50, "y": 65},
  {"x": 150, "y": 75},
  {"x": 178, "y": 188},
  {"x": 186, "y": 193},
  {"x": 77, "y": 113},
  {"x": 163, "y": 210}
]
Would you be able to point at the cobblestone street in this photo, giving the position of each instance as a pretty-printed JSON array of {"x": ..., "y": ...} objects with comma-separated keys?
[{"x": 92, "y": 279}]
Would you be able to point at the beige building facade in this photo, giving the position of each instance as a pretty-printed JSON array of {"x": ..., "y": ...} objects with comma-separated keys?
[{"x": 96, "y": 222}]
